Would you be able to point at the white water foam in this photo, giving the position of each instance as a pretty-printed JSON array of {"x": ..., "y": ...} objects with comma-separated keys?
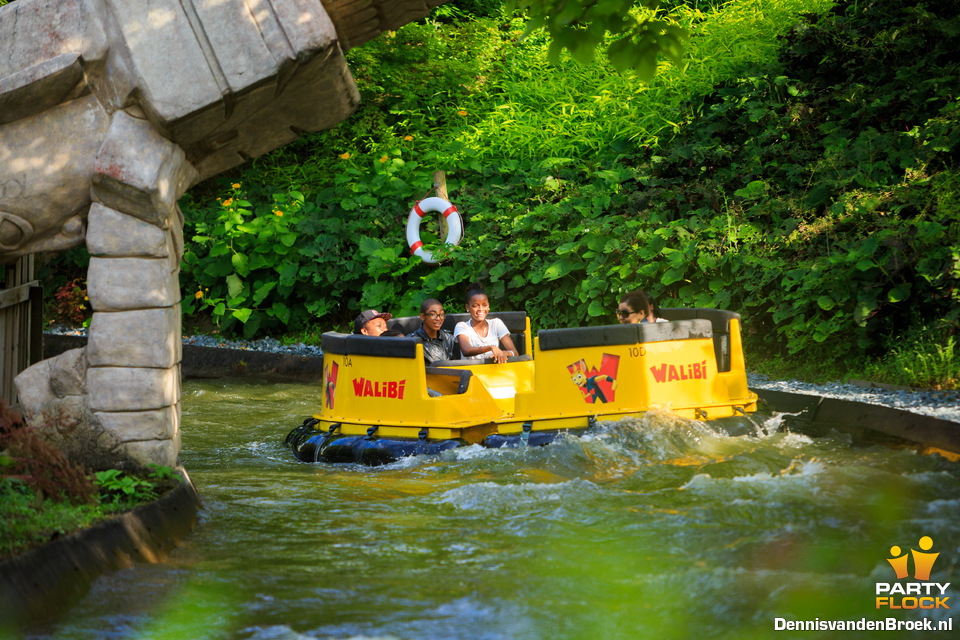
[{"x": 507, "y": 498}]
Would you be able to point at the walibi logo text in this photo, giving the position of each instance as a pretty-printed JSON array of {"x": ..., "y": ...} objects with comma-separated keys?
[{"x": 913, "y": 595}]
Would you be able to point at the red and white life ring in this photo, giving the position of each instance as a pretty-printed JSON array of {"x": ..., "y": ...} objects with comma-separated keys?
[{"x": 454, "y": 226}]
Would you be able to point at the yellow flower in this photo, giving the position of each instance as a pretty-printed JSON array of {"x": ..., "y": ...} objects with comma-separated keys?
[
  {"x": 384, "y": 159},
  {"x": 235, "y": 185},
  {"x": 461, "y": 112},
  {"x": 344, "y": 156},
  {"x": 408, "y": 138},
  {"x": 198, "y": 295},
  {"x": 228, "y": 202},
  {"x": 278, "y": 213}
]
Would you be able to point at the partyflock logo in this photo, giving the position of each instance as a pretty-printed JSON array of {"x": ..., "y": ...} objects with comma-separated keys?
[{"x": 913, "y": 595}]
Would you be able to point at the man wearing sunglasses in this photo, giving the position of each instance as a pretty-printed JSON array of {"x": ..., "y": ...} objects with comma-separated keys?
[{"x": 636, "y": 307}]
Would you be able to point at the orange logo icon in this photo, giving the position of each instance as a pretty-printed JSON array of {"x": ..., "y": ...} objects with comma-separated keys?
[
  {"x": 921, "y": 593},
  {"x": 922, "y": 562}
]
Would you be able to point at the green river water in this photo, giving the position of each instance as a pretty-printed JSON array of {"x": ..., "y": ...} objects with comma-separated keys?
[{"x": 656, "y": 527}]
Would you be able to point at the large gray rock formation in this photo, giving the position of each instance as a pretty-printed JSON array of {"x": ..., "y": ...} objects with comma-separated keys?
[{"x": 109, "y": 111}]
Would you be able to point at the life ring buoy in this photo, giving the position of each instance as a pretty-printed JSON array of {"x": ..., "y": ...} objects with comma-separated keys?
[{"x": 454, "y": 226}]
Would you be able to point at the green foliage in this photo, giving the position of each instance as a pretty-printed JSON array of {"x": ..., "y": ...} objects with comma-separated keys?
[
  {"x": 929, "y": 359},
  {"x": 852, "y": 230},
  {"x": 637, "y": 37},
  {"x": 23, "y": 525},
  {"x": 159, "y": 473},
  {"x": 802, "y": 174},
  {"x": 26, "y": 522},
  {"x": 243, "y": 260},
  {"x": 44, "y": 496},
  {"x": 532, "y": 108},
  {"x": 411, "y": 83},
  {"x": 117, "y": 486},
  {"x": 465, "y": 9},
  {"x": 351, "y": 251}
]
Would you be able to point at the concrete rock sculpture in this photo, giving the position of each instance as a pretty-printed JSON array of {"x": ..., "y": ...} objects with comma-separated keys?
[{"x": 109, "y": 111}]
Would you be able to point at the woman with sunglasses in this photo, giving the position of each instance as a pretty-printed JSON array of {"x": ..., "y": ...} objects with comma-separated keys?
[
  {"x": 636, "y": 307},
  {"x": 437, "y": 342}
]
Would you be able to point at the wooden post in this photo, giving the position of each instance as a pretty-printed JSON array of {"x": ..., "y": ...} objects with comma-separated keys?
[{"x": 440, "y": 185}]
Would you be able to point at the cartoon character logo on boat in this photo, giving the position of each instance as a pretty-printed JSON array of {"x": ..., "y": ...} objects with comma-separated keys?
[
  {"x": 330, "y": 384},
  {"x": 596, "y": 384}
]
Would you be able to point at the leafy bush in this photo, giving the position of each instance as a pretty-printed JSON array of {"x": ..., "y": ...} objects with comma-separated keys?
[
  {"x": 350, "y": 253},
  {"x": 118, "y": 488},
  {"x": 28, "y": 459},
  {"x": 239, "y": 254},
  {"x": 70, "y": 304}
]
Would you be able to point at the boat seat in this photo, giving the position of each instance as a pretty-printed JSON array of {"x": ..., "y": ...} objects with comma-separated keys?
[
  {"x": 360, "y": 345},
  {"x": 673, "y": 330},
  {"x": 551, "y": 339},
  {"x": 407, "y": 324},
  {"x": 615, "y": 334},
  {"x": 516, "y": 322},
  {"x": 719, "y": 319},
  {"x": 463, "y": 374}
]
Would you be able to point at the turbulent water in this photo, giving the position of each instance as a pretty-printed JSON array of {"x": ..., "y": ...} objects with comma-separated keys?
[{"x": 656, "y": 527}]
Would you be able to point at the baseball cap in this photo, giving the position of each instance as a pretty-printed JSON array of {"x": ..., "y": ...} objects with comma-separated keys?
[{"x": 367, "y": 316}]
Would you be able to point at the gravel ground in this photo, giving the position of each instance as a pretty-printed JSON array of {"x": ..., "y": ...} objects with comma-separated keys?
[{"x": 939, "y": 404}]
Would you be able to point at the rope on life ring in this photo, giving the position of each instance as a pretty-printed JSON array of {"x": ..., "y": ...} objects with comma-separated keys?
[{"x": 454, "y": 226}]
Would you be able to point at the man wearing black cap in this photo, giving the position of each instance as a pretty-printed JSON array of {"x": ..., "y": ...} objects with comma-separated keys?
[{"x": 371, "y": 322}]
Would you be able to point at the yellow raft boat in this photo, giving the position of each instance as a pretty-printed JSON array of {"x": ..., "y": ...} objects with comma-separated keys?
[{"x": 376, "y": 405}]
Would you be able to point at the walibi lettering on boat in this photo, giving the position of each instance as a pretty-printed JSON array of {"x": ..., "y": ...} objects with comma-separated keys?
[{"x": 380, "y": 402}]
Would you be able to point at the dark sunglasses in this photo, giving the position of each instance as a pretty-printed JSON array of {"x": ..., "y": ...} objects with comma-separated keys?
[{"x": 624, "y": 313}]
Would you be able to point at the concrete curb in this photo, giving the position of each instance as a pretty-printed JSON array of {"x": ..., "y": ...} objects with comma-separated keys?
[
  {"x": 216, "y": 362},
  {"x": 37, "y": 585},
  {"x": 852, "y": 415}
]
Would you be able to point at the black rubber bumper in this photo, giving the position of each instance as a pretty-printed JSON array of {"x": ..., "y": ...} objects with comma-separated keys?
[{"x": 310, "y": 445}]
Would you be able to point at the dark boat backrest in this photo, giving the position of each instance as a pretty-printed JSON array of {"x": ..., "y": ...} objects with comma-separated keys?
[
  {"x": 516, "y": 322},
  {"x": 608, "y": 335},
  {"x": 615, "y": 334},
  {"x": 684, "y": 324},
  {"x": 719, "y": 318},
  {"x": 358, "y": 345}
]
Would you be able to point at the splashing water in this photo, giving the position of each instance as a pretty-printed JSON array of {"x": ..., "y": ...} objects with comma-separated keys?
[{"x": 653, "y": 526}]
